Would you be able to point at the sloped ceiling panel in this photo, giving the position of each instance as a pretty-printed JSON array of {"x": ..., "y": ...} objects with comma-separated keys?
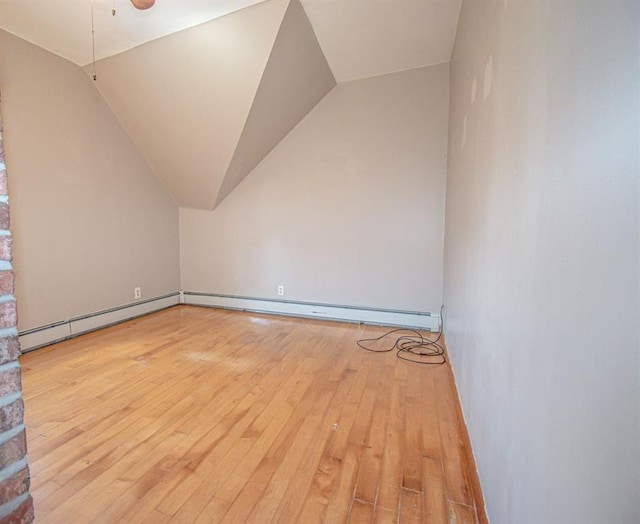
[
  {"x": 296, "y": 78},
  {"x": 64, "y": 26},
  {"x": 363, "y": 38},
  {"x": 184, "y": 98}
]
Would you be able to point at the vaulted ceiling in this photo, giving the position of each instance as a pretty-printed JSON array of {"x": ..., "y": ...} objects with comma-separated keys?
[
  {"x": 363, "y": 38},
  {"x": 64, "y": 26},
  {"x": 207, "y": 89}
]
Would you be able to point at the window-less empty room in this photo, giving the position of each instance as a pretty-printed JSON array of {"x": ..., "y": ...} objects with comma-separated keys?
[{"x": 342, "y": 261}]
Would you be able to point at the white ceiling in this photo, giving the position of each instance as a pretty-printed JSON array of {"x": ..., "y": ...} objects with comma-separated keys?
[
  {"x": 360, "y": 38},
  {"x": 64, "y": 26},
  {"x": 363, "y": 38}
]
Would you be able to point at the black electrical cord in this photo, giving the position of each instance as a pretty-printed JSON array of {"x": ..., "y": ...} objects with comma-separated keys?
[{"x": 411, "y": 347}]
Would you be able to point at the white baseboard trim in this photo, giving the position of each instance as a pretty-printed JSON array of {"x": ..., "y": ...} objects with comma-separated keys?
[
  {"x": 411, "y": 319},
  {"x": 35, "y": 338}
]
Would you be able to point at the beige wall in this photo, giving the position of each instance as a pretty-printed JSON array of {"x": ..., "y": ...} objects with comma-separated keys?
[
  {"x": 90, "y": 219},
  {"x": 542, "y": 255},
  {"x": 347, "y": 209}
]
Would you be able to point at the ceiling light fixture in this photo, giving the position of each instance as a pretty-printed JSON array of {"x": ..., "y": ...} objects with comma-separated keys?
[{"x": 143, "y": 4}]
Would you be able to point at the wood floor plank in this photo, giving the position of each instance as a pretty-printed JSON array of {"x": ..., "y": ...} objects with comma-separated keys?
[
  {"x": 328, "y": 468},
  {"x": 244, "y": 453},
  {"x": 410, "y": 507},
  {"x": 434, "y": 500},
  {"x": 368, "y": 475},
  {"x": 269, "y": 481},
  {"x": 342, "y": 495},
  {"x": 215, "y": 442},
  {"x": 156, "y": 517},
  {"x": 392, "y": 457},
  {"x": 385, "y": 516},
  {"x": 455, "y": 466},
  {"x": 297, "y": 492},
  {"x": 200, "y": 415},
  {"x": 414, "y": 428},
  {"x": 461, "y": 514},
  {"x": 361, "y": 513},
  {"x": 371, "y": 462},
  {"x": 431, "y": 441}
]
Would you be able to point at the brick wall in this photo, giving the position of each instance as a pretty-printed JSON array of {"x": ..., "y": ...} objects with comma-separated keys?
[{"x": 16, "y": 505}]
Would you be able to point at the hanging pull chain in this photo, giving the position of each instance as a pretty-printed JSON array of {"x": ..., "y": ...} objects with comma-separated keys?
[{"x": 93, "y": 42}]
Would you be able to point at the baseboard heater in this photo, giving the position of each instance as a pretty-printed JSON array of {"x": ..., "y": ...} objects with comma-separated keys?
[
  {"x": 412, "y": 319},
  {"x": 35, "y": 338}
]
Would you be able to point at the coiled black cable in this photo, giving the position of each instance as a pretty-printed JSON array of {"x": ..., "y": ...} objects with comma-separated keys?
[{"x": 411, "y": 346}]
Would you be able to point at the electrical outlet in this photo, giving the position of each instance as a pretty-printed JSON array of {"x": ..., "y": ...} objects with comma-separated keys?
[
  {"x": 280, "y": 290},
  {"x": 137, "y": 292}
]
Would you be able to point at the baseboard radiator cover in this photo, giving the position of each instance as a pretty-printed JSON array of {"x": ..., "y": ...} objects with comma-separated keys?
[
  {"x": 35, "y": 338},
  {"x": 397, "y": 318}
]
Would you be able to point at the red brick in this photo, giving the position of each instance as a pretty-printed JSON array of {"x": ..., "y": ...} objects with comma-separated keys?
[
  {"x": 6, "y": 282},
  {"x": 23, "y": 514},
  {"x": 13, "y": 449},
  {"x": 10, "y": 381},
  {"x": 4, "y": 215},
  {"x": 8, "y": 314},
  {"x": 9, "y": 349},
  {"x": 11, "y": 415},
  {"x": 14, "y": 486},
  {"x": 6, "y": 247}
]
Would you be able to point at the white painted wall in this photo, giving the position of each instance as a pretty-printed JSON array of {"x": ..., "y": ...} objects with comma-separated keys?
[
  {"x": 542, "y": 255},
  {"x": 90, "y": 220},
  {"x": 348, "y": 209}
]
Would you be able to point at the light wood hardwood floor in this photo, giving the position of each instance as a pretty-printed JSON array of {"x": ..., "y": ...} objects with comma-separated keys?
[{"x": 199, "y": 415}]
